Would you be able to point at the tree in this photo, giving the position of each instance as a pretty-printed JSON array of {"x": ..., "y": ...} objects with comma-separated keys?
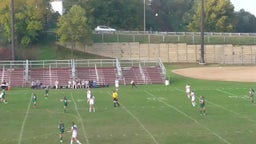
[
  {"x": 246, "y": 22},
  {"x": 172, "y": 15},
  {"x": 29, "y": 19},
  {"x": 73, "y": 27},
  {"x": 120, "y": 14},
  {"x": 219, "y": 16}
]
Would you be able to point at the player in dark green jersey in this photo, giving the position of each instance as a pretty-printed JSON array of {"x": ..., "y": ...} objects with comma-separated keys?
[
  {"x": 61, "y": 128},
  {"x": 202, "y": 105},
  {"x": 65, "y": 102},
  {"x": 34, "y": 100},
  {"x": 46, "y": 92}
]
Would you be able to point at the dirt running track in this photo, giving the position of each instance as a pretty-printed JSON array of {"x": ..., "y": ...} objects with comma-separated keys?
[{"x": 239, "y": 74}]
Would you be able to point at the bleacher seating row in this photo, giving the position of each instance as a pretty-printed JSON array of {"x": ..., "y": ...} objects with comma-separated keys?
[{"x": 103, "y": 75}]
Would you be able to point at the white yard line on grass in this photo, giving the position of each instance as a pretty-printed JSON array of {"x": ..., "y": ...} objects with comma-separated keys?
[
  {"x": 236, "y": 113},
  {"x": 141, "y": 125},
  {"x": 138, "y": 121},
  {"x": 232, "y": 95},
  {"x": 24, "y": 120},
  {"x": 226, "y": 109},
  {"x": 83, "y": 127},
  {"x": 186, "y": 115}
]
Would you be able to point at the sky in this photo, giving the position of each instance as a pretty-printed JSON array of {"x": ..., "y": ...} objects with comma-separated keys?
[{"x": 247, "y": 5}]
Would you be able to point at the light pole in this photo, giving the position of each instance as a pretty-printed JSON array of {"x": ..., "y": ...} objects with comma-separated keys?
[
  {"x": 202, "y": 61},
  {"x": 12, "y": 31},
  {"x": 144, "y": 15}
]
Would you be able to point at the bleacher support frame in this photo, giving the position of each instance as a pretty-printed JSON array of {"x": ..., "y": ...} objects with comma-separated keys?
[{"x": 48, "y": 65}]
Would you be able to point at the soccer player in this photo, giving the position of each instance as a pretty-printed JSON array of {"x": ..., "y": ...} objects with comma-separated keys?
[
  {"x": 252, "y": 92},
  {"x": 88, "y": 93},
  {"x": 46, "y": 92},
  {"x": 117, "y": 84},
  {"x": 133, "y": 84},
  {"x": 34, "y": 100},
  {"x": 74, "y": 131},
  {"x": 65, "y": 102},
  {"x": 61, "y": 128},
  {"x": 193, "y": 98},
  {"x": 202, "y": 105},
  {"x": 115, "y": 98},
  {"x": 188, "y": 90},
  {"x": 92, "y": 103},
  {"x": 56, "y": 84},
  {"x": 3, "y": 96}
]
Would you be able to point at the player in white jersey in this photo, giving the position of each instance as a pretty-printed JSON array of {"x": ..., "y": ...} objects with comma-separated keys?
[
  {"x": 92, "y": 103},
  {"x": 74, "y": 131},
  {"x": 188, "y": 90},
  {"x": 193, "y": 98},
  {"x": 56, "y": 84},
  {"x": 117, "y": 84},
  {"x": 88, "y": 93}
]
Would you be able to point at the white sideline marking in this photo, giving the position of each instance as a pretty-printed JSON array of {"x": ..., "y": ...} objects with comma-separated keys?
[
  {"x": 240, "y": 115},
  {"x": 141, "y": 125},
  {"x": 24, "y": 120},
  {"x": 226, "y": 109},
  {"x": 155, "y": 99},
  {"x": 138, "y": 121},
  {"x": 84, "y": 131},
  {"x": 181, "y": 112},
  {"x": 232, "y": 95},
  {"x": 239, "y": 97},
  {"x": 236, "y": 113},
  {"x": 186, "y": 115}
]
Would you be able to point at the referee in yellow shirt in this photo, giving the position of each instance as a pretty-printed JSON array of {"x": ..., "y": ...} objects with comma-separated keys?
[{"x": 115, "y": 98}]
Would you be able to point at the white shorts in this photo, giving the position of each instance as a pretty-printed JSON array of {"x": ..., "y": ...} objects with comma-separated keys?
[
  {"x": 74, "y": 135},
  {"x": 91, "y": 102},
  {"x": 88, "y": 97},
  {"x": 116, "y": 85}
]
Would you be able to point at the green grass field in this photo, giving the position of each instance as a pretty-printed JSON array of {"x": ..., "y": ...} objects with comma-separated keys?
[{"x": 149, "y": 114}]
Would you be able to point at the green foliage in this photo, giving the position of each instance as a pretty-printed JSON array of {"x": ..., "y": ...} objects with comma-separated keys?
[
  {"x": 246, "y": 22},
  {"x": 29, "y": 19},
  {"x": 172, "y": 15},
  {"x": 120, "y": 14},
  {"x": 219, "y": 16},
  {"x": 73, "y": 26}
]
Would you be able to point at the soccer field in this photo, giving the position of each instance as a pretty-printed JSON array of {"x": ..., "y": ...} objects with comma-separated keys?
[{"x": 149, "y": 114}]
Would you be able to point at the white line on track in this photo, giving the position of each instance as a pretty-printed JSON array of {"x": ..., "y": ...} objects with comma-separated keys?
[
  {"x": 24, "y": 121},
  {"x": 79, "y": 115},
  {"x": 186, "y": 115}
]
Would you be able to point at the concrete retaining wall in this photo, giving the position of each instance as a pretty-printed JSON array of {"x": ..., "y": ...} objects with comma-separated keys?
[{"x": 171, "y": 52}]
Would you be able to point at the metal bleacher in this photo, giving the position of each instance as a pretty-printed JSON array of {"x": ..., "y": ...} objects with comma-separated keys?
[{"x": 103, "y": 71}]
